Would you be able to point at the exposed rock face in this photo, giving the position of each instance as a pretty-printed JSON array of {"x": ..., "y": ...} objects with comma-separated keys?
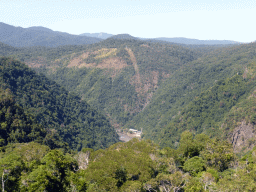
[
  {"x": 83, "y": 160},
  {"x": 243, "y": 136}
]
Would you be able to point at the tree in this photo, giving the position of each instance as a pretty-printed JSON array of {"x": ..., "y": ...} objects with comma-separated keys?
[
  {"x": 11, "y": 167},
  {"x": 53, "y": 174},
  {"x": 218, "y": 154},
  {"x": 194, "y": 165}
]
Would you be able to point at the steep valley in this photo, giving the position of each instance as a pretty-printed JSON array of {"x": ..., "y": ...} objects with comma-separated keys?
[
  {"x": 145, "y": 85},
  {"x": 118, "y": 80},
  {"x": 64, "y": 111}
]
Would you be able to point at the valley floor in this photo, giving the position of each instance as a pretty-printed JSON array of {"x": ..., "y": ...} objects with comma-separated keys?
[{"x": 124, "y": 137}]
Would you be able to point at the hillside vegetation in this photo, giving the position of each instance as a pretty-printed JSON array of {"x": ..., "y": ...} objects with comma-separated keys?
[
  {"x": 151, "y": 85},
  {"x": 62, "y": 114},
  {"x": 198, "y": 164},
  {"x": 17, "y": 126},
  {"x": 196, "y": 77},
  {"x": 194, "y": 104},
  {"x": 116, "y": 76}
]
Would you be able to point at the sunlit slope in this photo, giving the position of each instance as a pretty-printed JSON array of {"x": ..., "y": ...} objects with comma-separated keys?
[
  {"x": 116, "y": 76},
  {"x": 194, "y": 82}
]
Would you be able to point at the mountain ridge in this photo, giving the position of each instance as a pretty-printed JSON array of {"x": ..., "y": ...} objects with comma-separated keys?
[{"x": 40, "y": 36}]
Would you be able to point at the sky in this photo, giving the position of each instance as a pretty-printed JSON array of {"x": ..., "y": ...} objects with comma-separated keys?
[{"x": 202, "y": 19}]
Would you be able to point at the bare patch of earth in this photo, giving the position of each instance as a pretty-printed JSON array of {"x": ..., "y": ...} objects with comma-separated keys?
[
  {"x": 123, "y": 137},
  {"x": 36, "y": 63},
  {"x": 145, "y": 45},
  {"x": 109, "y": 63}
]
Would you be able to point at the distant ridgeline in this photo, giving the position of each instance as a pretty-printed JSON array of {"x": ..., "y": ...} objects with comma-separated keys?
[
  {"x": 40, "y": 36},
  {"x": 62, "y": 116}
]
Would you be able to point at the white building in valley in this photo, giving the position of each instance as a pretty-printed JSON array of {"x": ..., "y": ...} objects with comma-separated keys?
[{"x": 136, "y": 132}]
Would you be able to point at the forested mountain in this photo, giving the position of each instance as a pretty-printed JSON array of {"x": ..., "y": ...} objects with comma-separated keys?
[
  {"x": 178, "y": 40},
  {"x": 117, "y": 76},
  {"x": 151, "y": 85},
  {"x": 124, "y": 37},
  {"x": 40, "y": 36},
  {"x": 62, "y": 114},
  {"x": 187, "y": 83},
  {"x": 194, "y": 103}
]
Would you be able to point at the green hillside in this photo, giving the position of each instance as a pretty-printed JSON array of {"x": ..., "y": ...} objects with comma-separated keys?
[
  {"x": 16, "y": 126},
  {"x": 187, "y": 83},
  {"x": 62, "y": 114},
  {"x": 205, "y": 114},
  {"x": 147, "y": 85},
  {"x": 118, "y": 77},
  {"x": 196, "y": 105},
  {"x": 198, "y": 164}
]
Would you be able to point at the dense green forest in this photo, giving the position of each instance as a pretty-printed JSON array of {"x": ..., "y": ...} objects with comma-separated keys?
[
  {"x": 17, "y": 126},
  {"x": 198, "y": 164},
  {"x": 189, "y": 82},
  {"x": 144, "y": 84},
  {"x": 196, "y": 104},
  {"x": 205, "y": 114},
  {"x": 139, "y": 84},
  {"x": 62, "y": 114},
  {"x": 124, "y": 76}
]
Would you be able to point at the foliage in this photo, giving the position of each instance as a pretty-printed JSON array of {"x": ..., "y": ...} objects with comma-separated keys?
[
  {"x": 169, "y": 79},
  {"x": 15, "y": 125},
  {"x": 194, "y": 165},
  {"x": 121, "y": 93},
  {"x": 62, "y": 114},
  {"x": 206, "y": 112},
  {"x": 194, "y": 82},
  {"x": 51, "y": 175},
  {"x": 137, "y": 166}
]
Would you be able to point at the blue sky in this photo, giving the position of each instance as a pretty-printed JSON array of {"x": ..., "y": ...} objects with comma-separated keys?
[{"x": 220, "y": 19}]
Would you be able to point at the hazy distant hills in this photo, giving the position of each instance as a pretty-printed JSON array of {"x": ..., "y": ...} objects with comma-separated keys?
[
  {"x": 183, "y": 40},
  {"x": 107, "y": 35},
  {"x": 97, "y": 35},
  {"x": 179, "y": 40},
  {"x": 40, "y": 36}
]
